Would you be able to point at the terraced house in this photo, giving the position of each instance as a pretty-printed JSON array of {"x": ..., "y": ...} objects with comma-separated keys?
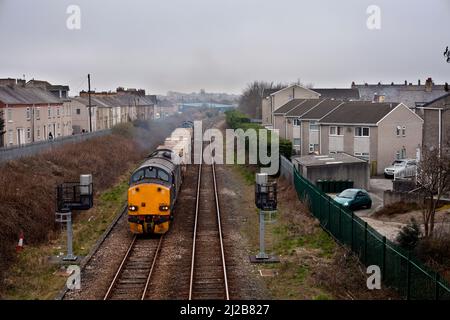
[
  {"x": 436, "y": 128},
  {"x": 31, "y": 113},
  {"x": 274, "y": 99},
  {"x": 376, "y": 132}
]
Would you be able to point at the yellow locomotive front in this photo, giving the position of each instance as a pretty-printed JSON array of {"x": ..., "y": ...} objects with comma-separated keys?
[{"x": 152, "y": 195}]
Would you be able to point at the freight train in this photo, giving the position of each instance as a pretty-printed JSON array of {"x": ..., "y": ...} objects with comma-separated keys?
[{"x": 155, "y": 184}]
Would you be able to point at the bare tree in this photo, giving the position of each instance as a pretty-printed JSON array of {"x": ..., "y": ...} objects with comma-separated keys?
[
  {"x": 250, "y": 100},
  {"x": 2, "y": 129},
  {"x": 433, "y": 177}
]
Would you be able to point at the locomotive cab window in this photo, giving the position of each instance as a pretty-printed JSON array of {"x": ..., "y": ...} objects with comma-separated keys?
[
  {"x": 162, "y": 175},
  {"x": 150, "y": 173}
]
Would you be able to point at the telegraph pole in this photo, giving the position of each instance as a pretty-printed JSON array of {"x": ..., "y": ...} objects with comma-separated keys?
[{"x": 89, "y": 96}]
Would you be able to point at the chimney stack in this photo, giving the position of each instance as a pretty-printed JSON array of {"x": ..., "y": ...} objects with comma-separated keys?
[
  {"x": 406, "y": 82},
  {"x": 446, "y": 87},
  {"x": 7, "y": 82},
  {"x": 418, "y": 82},
  {"x": 429, "y": 85}
]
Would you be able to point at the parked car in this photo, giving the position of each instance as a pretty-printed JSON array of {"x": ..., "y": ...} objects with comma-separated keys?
[
  {"x": 354, "y": 199},
  {"x": 398, "y": 165}
]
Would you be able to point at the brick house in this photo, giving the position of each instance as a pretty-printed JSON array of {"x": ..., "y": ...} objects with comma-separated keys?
[
  {"x": 436, "y": 127},
  {"x": 280, "y": 97},
  {"x": 377, "y": 132},
  {"x": 273, "y": 99},
  {"x": 31, "y": 113},
  {"x": 413, "y": 95}
]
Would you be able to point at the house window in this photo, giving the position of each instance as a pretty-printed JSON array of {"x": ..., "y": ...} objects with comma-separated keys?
[
  {"x": 404, "y": 131},
  {"x": 313, "y": 126},
  {"x": 28, "y": 133},
  {"x": 9, "y": 115},
  {"x": 28, "y": 114},
  {"x": 336, "y": 131},
  {"x": 38, "y": 113},
  {"x": 296, "y": 122},
  {"x": 313, "y": 148},
  {"x": 78, "y": 111},
  {"x": 296, "y": 142},
  {"x": 398, "y": 130},
  {"x": 57, "y": 111},
  {"x": 49, "y": 112},
  {"x": 38, "y": 132},
  {"x": 363, "y": 155},
  {"x": 361, "y": 131}
]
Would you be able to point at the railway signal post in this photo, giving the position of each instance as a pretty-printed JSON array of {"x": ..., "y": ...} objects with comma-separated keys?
[
  {"x": 266, "y": 202},
  {"x": 73, "y": 196}
]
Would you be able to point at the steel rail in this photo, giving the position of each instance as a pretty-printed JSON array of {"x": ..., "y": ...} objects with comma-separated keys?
[
  {"x": 119, "y": 270},
  {"x": 222, "y": 251},
  {"x": 147, "y": 283},
  {"x": 219, "y": 224}
]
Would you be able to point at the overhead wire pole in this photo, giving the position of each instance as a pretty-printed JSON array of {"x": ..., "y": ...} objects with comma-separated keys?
[{"x": 89, "y": 97}]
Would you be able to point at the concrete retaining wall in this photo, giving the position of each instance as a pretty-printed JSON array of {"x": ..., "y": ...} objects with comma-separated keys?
[{"x": 390, "y": 197}]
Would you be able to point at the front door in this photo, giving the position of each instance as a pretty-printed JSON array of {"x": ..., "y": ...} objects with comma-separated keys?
[{"x": 20, "y": 136}]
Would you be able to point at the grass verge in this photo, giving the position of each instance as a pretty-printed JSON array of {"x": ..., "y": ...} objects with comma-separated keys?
[
  {"x": 313, "y": 266},
  {"x": 33, "y": 276}
]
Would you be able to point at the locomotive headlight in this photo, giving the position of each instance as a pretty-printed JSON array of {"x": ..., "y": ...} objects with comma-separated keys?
[
  {"x": 133, "y": 208},
  {"x": 163, "y": 207}
]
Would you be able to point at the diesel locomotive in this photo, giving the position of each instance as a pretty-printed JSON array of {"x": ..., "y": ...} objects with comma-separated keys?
[{"x": 155, "y": 184}]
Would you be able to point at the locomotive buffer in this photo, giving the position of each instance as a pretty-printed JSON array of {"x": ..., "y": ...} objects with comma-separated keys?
[
  {"x": 266, "y": 202},
  {"x": 73, "y": 196}
]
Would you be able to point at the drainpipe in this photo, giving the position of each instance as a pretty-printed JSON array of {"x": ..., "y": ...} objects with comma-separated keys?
[
  {"x": 301, "y": 137},
  {"x": 285, "y": 127},
  {"x": 271, "y": 108},
  {"x": 320, "y": 139},
  {"x": 440, "y": 131},
  {"x": 32, "y": 123}
]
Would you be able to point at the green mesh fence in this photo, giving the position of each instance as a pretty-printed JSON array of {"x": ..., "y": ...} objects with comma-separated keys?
[{"x": 410, "y": 277}]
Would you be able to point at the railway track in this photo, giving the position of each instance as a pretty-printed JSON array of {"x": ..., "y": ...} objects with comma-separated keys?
[
  {"x": 208, "y": 278},
  {"x": 133, "y": 276}
]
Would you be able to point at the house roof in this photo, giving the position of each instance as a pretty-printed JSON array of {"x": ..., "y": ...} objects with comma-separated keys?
[
  {"x": 293, "y": 86},
  {"x": 338, "y": 93},
  {"x": 435, "y": 100},
  {"x": 304, "y": 107},
  {"x": 359, "y": 112},
  {"x": 117, "y": 100},
  {"x": 321, "y": 110},
  {"x": 326, "y": 160},
  {"x": 17, "y": 94},
  {"x": 288, "y": 106},
  {"x": 411, "y": 95}
]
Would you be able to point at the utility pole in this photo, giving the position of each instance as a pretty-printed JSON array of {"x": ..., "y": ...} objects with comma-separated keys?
[{"x": 89, "y": 96}]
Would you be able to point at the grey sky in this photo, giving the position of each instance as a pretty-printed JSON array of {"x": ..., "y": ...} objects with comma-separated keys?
[{"x": 221, "y": 45}]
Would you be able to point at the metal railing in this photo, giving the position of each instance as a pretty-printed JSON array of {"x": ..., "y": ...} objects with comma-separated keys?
[{"x": 400, "y": 269}]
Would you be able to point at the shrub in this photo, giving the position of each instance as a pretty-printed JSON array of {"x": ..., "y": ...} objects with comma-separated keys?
[
  {"x": 409, "y": 235},
  {"x": 237, "y": 120},
  {"x": 435, "y": 251}
]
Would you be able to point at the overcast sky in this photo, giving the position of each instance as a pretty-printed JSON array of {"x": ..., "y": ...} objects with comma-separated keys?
[{"x": 221, "y": 45}]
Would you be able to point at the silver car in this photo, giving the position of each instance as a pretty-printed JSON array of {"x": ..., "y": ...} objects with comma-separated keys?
[{"x": 398, "y": 165}]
